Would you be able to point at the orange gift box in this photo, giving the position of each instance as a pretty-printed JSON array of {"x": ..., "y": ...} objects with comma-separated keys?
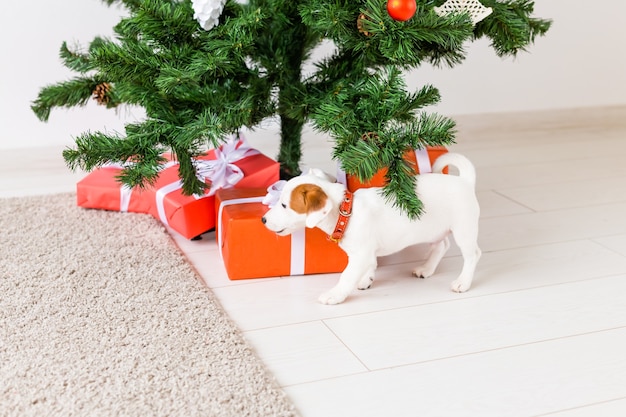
[
  {"x": 420, "y": 159},
  {"x": 188, "y": 215},
  {"x": 249, "y": 250}
]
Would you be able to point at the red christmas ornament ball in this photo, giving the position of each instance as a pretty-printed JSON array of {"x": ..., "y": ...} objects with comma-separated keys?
[{"x": 401, "y": 9}]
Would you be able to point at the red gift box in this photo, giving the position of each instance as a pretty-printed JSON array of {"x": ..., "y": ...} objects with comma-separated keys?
[
  {"x": 250, "y": 250},
  {"x": 101, "y": 190},
  {"x": 420, "y": 159},
  {"x": 234, "y": 165}
]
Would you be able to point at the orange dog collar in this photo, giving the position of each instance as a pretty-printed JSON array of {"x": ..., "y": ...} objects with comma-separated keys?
[{"x": 345, "y": 211}]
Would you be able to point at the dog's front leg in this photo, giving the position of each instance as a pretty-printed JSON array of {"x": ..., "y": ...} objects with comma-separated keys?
[{"x": 356, "y": 270}]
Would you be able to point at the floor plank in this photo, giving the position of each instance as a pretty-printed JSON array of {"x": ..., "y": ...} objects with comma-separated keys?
[{"x": 521, "y": 381}]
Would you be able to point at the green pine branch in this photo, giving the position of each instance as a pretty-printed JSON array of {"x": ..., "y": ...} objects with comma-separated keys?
[
  {"x": 198, "y": 86},
  {"x": 75, "y": 92},
  {"x": 75, "y": 60},
  {"x": 424, "y": 37},
  {"x": 510, "y": 26},
  {"x": 400, "y": 188},
  {"x": 375, "y": 122}
]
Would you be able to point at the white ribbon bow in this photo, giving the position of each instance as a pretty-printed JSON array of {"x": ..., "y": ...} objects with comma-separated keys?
[
  {"x": 273, "y": 193},
  {"x": 222, "y": 171}
]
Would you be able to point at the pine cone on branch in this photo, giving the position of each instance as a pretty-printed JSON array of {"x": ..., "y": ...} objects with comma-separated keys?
[
  {"x": 371, "y": 137},
  {"x": 359, "y": 24},
  {"x": 101, "y": 93}
]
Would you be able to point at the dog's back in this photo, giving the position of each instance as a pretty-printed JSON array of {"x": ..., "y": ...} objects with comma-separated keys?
[{"x": 449, "y": 202}]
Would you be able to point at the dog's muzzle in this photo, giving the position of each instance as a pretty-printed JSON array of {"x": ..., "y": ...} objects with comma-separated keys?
[{"x": 264, "y": 221}]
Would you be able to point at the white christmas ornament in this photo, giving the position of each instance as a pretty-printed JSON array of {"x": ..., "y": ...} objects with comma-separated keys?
[
  {"x": 208, "y": 12},
  {"x": 474, "y": 8}
]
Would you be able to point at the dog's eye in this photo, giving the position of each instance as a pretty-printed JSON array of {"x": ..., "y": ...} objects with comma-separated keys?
[{"x": 284, "y": 205}]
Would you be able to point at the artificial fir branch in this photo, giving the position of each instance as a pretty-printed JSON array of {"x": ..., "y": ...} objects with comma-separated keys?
[
  {"x": 76, "y": 92},
  {"x": 198, "y": 86},
  {"x": 511, "y": 27},
  {"x": 374, "y": 124},
  {"x": 74, "y": 60},
  {"x": 400, "y": 188},
  {"x": 426, "y": 36}
]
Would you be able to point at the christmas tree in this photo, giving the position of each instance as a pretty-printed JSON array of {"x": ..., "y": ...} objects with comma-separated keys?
[{"x": 203, "y": 69}]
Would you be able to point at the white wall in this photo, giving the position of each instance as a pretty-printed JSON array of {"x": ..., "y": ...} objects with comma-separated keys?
[
  {"x": 31, "y": 34},
  {"x": 580, "y": 63}
]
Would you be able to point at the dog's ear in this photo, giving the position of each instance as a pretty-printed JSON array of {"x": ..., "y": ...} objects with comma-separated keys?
[
  {"x": 314, "y": 217},
  {"x": 321, "y": 174},
  {"x": 311, "y": 200}
]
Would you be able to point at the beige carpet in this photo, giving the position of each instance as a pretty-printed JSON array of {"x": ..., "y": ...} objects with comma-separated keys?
[{"x": 100, "y": 315}]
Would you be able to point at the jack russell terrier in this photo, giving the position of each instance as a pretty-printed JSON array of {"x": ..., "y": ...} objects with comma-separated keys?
[{"x": 366, "y": 226}]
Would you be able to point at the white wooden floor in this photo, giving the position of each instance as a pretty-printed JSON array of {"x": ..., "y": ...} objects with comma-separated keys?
[{"x": 541, "y": 333}]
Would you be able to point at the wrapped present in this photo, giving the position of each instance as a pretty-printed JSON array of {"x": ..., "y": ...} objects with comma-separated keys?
[
  {"x": 420, "y": 159},
  {"x": 249, "y": 250},
  {"x": 101, "y": 190},
  {"x": 234, "y": 164}
]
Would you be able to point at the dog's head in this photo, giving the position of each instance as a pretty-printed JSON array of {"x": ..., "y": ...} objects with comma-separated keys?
[{"x": 303, "y": 202}]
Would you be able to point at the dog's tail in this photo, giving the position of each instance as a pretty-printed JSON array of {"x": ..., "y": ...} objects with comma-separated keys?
[{"x": 463, "y": 165}]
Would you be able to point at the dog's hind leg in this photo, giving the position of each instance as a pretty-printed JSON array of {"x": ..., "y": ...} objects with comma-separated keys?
[
  {"x": 437, "y": 250},
  {"x": 471, "y": 254}
]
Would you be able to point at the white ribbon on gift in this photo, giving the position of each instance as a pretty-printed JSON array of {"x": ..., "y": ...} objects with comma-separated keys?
[
  {"x": 126, "y": 191},
  {"x": 423, "y": 161},
  {"x": 220, "y": 211},
  {"x": 160, "y": 198},
  {"x": 341, "y": 176},
  {"x": 222, "y": 172},
  {"x": 270, "y": 199},
  {"x": 298, "y": 252},
  {"x": 421, "y": 156},
  {"x": 297, "y": 237}
]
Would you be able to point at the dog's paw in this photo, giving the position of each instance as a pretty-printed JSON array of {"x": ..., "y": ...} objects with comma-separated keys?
[
  {"x": 365, "y": 283},
  {"x": 422, "y": 272},
  {"x": 332, "y": 297},
  {"x": 460, "y": 285}
]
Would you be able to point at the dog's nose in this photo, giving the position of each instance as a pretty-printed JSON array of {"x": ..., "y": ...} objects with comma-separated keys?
[{"x": 263, "y": 220}]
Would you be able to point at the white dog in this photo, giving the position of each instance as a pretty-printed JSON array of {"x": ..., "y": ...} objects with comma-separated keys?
[{"x": 376, "y": 228}]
